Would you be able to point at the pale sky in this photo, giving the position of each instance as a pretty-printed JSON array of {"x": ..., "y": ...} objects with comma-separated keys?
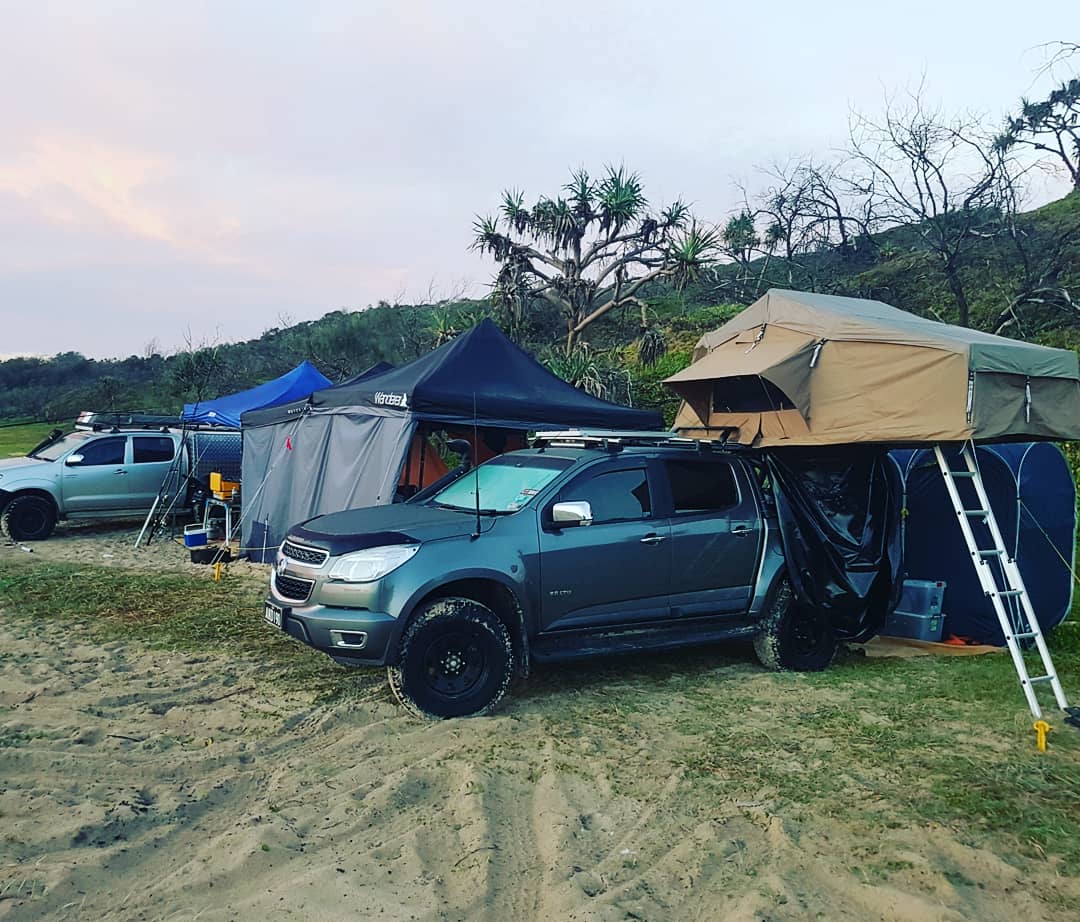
[{"x": 213, "y": 166}]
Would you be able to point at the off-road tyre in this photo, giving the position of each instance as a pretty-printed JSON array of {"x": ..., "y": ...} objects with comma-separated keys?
[
  {"x": 28, "y": 518},
  {"x": 794, "y": 637},
  {"x": 456, "y": 660}
]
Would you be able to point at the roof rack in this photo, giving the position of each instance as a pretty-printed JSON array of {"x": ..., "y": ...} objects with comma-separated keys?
[
  {"x": 94, "y": 421},
  {"x": 616, "y": 440}
]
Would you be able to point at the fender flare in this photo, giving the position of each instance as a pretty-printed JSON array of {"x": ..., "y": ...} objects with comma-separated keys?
[{"x": 521, "y": 615}]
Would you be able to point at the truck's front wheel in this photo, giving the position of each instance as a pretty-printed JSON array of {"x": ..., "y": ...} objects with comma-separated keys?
[
  {"x": 28, "y": 518},
  {"x": 794, "y": 636},
  {"x": 456, "y": 660}
]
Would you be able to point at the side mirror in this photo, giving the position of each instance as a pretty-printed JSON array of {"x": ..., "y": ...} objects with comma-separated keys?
[
  {"x": 566, "y": 514},
  {"x": 462, "y": 448},
  {"x": 73, "y": 460}
]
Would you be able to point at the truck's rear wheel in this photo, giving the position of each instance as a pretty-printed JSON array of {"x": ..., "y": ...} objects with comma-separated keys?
[
  {"x": 28, "y": 518},
  {"x": 456, "y": 660},
  {"x": 794, "y": 636}
]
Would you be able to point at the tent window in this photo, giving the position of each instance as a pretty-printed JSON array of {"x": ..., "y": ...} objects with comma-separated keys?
[{"x": 748, "y": 394}]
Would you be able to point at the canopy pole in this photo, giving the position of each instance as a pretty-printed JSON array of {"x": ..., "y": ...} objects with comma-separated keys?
[{"x": 421, "y": 433}]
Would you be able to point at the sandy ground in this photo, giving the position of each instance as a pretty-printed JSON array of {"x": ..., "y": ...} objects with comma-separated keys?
[{"x": 135, "y": 785}]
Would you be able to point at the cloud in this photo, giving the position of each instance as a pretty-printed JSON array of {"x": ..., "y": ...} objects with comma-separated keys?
[{"x": 78, "y": 182}]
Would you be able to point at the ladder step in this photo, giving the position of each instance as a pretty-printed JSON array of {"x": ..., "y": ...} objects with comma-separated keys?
[
  {"x": 1027, "y": 635},
  {"x": 973, "y": 512},
  {"x": 962, "y": 473},
  {"x": 1010, "y": 592},
  {"x": 995, "y": 553},
  {"x": 1040, "y": 678}
]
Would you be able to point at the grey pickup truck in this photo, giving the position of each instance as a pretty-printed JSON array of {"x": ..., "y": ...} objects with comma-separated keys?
[
  {"x": 576, "y": 548},
  {"x": 105, "y": 472}
]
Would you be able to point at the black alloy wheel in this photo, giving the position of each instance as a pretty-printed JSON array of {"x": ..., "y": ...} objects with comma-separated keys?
[
  {"x": 456, "y": 660},
  {"x": 28, "y": 518},
  {"x": 794, "y": 636}
]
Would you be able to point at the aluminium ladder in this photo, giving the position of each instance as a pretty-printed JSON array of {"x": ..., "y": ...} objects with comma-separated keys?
[{"x": 1000, "y": 578}]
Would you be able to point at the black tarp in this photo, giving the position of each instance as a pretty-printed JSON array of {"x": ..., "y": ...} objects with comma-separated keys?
[{"x": 839, "y": 513}]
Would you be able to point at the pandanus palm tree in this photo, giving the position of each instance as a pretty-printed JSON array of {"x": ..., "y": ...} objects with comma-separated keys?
[{"x": 591, "y": 249}]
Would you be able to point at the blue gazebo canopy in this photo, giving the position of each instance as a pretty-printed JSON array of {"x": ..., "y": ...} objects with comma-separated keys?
[{"x": 225, "y": 411}]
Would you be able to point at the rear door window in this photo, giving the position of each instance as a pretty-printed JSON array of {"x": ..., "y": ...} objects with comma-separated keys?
[
  {"x": 701, "y": 486},
  {"x": 148, "y": 449}
]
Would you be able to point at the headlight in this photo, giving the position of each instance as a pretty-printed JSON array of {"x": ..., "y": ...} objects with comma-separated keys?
[{"x": 371, "y": 564}]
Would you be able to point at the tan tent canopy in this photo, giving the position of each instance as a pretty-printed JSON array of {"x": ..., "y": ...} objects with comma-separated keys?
[{"x": 796, "y": 368}]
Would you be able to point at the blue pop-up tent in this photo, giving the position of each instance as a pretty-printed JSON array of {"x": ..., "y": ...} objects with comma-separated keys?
[
  {"x": 1032, "y": 494},
  {"x": 225, "y": 411}
]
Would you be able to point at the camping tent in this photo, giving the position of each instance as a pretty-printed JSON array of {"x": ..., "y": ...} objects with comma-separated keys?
[
  {"x": 796, "y": 368},
  {"x": 348, "y": 445},
  {"x": 1032, "y": 494},
  {"x": 225, "y": 411}
]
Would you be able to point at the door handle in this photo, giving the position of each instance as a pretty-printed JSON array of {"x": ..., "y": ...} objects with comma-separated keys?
[
  {"x": 653, "y": 539},
  {"x": 120, "y": 471},
  {"x": 741, "y": 531}
]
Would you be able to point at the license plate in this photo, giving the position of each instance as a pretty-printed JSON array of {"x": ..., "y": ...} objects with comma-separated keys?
[{"x": 273, "y": 614}]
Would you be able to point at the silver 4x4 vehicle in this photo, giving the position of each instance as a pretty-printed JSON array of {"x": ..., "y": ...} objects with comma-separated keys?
[
  {"x": 96, "y": 473},
  {"x": 573, "y": 550}
]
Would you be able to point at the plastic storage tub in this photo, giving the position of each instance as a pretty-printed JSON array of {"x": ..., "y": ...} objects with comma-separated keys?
[{"x": 918, "y": 614}]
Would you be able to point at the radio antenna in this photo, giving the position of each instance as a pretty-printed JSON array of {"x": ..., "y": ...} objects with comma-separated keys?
[{"x": 476, "y": 466}]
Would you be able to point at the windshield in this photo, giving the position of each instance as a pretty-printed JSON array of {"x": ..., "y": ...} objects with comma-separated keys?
[
  {"x": 507, "y": 483},
  {"x": 61, "y": 447}
]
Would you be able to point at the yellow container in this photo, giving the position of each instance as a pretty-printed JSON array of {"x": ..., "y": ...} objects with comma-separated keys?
[{"x": 222, "y": 489}]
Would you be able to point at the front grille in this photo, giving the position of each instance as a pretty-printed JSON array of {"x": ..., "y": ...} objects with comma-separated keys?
[
  {"x": 292, "y": 588},
  {"x": 312, "y": 556}
]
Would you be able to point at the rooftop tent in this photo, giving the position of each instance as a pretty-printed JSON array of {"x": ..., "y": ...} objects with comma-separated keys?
[
  {"x": 226, "y": 411},
  {"x": 796, "y": 368},
  {"x": 1032, "y": 494},
  {"x": 349, "y": 445}
]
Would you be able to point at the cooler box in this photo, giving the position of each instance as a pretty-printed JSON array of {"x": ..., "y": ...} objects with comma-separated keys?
[
  {"x": 194, "y": 536},
  {"x": 918, "y": 615}
]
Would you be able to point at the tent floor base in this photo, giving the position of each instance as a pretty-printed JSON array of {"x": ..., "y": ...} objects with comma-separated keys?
[{"x": 880, "y": 647}]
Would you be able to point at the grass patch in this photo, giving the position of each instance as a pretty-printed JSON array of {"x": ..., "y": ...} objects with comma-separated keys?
[
  {"x": 878, "y": 744},
  {"x": 18, "y": 440},
  {"x": 173, "y": 611}
]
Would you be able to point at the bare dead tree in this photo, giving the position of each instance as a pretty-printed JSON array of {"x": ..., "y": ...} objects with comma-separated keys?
[
  {"x": 843, "y": 206},
  {"x": 787, "y": 208},
  {"x": 1039, "y": 296},
  {"x": 936, "y": 173}
]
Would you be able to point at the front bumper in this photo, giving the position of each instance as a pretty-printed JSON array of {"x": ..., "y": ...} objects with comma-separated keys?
[{"x": 351, "y": 636}]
